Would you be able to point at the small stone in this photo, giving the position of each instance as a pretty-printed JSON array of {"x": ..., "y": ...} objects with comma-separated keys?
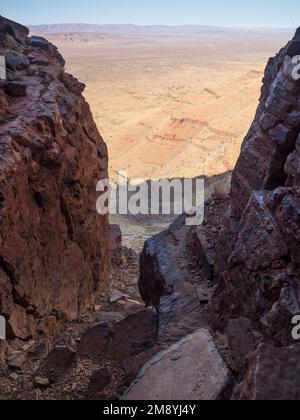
[
  {"x": 58, "y": 361},
  {"x": 14, "y": 376},
  {"x": 41, "y": 382},
  {"x": 16, "y": 361},
  {"x": 176, "y": 356},
  {"x": 97, "y": 308}
]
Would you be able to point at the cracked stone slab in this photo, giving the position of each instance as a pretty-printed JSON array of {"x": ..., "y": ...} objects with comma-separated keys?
[{"x": 191, "y": 369}]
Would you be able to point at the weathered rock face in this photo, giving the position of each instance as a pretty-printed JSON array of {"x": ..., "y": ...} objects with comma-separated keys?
[
  {"x": 191, "y": 369},
  {"x": 176, "y": 273},
  {"x": 257, "y": 271},
  {"x": 273, "y": 374},
  {"x": 54, "y": 247}
]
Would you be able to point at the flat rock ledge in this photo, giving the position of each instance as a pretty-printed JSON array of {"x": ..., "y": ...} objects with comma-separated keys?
[{"x": 191, "y": 369}]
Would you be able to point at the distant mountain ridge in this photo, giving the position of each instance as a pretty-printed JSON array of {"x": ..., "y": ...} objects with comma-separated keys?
[{"x": 150, "y": 29}]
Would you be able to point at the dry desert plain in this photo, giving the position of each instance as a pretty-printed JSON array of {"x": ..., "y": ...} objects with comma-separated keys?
[{"x": 171, "y": 106}]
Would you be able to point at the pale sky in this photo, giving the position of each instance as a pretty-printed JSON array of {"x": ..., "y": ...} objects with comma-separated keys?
[{"x": 232, "y": 13}]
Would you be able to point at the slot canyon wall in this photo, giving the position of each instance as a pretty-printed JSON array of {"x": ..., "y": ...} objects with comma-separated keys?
[
  {"x": 54, "y": 247},
  {"x": 226, "y": 291},
  {"x": 258, "y": 256},
  {"x": 257, "y": 269}
]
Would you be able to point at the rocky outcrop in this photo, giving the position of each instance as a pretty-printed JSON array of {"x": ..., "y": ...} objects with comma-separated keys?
[
  {"x": 257, "y": 271},
  {"x": 257, "y": 268},
  {"x": 54, "y": 247},
  {"x": 176, "y": 268}
]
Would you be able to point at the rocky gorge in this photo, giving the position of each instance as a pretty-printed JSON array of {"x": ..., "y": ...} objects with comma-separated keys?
[{"x": 220, "y": 298}]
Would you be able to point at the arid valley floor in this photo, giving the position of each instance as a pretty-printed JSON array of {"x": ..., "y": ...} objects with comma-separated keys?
[{"x": 169, "y": 106}]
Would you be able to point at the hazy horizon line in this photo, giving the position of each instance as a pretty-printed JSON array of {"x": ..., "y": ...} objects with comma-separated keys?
[{"x": 164, "y": 25}]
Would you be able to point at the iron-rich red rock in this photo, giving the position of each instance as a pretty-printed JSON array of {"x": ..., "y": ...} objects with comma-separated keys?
[{"x": 54, "y": 249}]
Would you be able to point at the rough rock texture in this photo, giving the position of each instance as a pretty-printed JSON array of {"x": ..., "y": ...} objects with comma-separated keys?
[
  {"x": 258, "y": 255},
  {"x": 191, "y": 369},
  {"x": 273, "y": 374},
  {"x": 131, "y": 336},
  {"x": 57, "y": 362},
  {"x": 176, "y": 273},
  {"x": 257, "y": 270},
  {"x": 54, "y": 247}
]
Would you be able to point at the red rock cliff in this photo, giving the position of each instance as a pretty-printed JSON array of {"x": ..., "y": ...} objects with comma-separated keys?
[{"x": 54, "y": 251}]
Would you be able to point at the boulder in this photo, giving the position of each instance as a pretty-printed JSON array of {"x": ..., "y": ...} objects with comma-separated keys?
[
  {"x": 57, "y": 363},
  {"x": 38, "y": 42},
  {"x": 190, "y": 370},
  {"x": 94, "y": 341},
  {"x": 134, "y": 334},
  {"x": 15, "y": 30},
  {"x": 41, "y": 382},
  {"x": 16, "y": 360},
  {"x": 133, "y": 364}
]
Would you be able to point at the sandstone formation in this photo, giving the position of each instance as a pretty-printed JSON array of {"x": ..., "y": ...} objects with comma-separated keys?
[{"x": 54, "y": 247}]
